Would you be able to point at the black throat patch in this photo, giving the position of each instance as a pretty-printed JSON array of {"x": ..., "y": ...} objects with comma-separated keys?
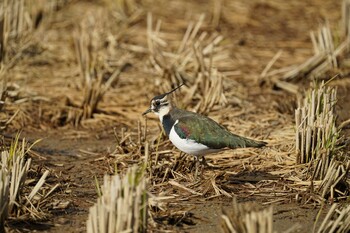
[{"x": 168, "y": 123}]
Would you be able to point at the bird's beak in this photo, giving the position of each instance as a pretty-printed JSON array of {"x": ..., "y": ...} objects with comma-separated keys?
[{"x": 147, "y": 111}]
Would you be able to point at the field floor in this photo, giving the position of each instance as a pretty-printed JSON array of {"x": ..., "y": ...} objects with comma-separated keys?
[{"x": 48, "y": 90}]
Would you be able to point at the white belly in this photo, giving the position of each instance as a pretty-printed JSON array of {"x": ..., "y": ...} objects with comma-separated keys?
[{"x": 189, "y": 146}]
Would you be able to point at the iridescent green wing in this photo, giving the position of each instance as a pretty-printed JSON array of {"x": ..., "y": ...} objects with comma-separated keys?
[{"x": 206, "y": 131}]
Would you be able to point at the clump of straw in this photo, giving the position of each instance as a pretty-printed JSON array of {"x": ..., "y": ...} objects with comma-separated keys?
[
  {"x": 334, "y": 183},
  {"x": 4, "y": 198},
  {"x": 14, "y": 169},
  {"x": 18, "y": 22},
  {"x": 17, "y": 167},
  {"x": 336, "y": 220},
  {"x": 122, "y": 205},
  {"x": 96, "y": 77},
  {"x": 324, "y": 58},
  {"x": 317, "y": 143},
  {"x": 246, "y": 218},
  {"x": 316, "y": 132},
  {"x": 327, "y": 56}
]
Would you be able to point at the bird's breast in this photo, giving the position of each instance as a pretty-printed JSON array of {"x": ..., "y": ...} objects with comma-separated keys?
[{"x": 167, "y": 122}]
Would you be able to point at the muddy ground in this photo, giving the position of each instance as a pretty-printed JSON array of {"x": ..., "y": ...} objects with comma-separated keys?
[{"x": 255, "y": 31}]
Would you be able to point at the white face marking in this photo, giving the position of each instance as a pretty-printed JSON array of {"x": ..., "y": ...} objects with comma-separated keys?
[
  {"x": 162, "y": 112},
  {"x": 161, "y": 107},
  {"x": 188, "y": 146}
]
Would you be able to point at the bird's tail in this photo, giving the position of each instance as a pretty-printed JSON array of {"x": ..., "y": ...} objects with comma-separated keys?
[
  {"x": 241, "y": 142},
  {"x": 254, "y": 143}
]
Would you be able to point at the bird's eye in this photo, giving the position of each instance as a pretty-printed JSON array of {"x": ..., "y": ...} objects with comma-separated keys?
[{"x": 157, "y": 103}]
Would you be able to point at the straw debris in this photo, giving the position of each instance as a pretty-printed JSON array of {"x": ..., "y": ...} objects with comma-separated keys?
[
  {"x": 122, "y": 206},
  {"x": 324, "y": 59},
  {"x": 96, "y": 74},
  {"x": 329, "y": 52},
  {"x": 336, "y": 220},
  {"x": 192, "y": 61},
  {"x": 4, "y": 119},
  {"x": 15, "y": 166},
  {"x": 317, "y": 144},
  {"x": 4, "y": 198},
  {"x": 19, "y": 20},
  {"x": 220, "y": 77},
  {"x": 316, "y": 132},
  {"x": 335, "y": 183},
  {"x": 247, "y": 218}
]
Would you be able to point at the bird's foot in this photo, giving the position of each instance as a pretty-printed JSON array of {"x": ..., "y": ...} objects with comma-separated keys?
[
  {"x": 204, "y": 162},
  {"x": 201, "y": 164},
  {"x": 197, "y": 168}
]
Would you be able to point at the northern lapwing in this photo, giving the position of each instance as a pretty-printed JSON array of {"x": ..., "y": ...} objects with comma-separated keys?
[{"x": 193, "y": 133}]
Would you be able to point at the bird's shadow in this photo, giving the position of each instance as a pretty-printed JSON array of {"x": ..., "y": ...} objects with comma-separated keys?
[{"x": 250, "y": 177}]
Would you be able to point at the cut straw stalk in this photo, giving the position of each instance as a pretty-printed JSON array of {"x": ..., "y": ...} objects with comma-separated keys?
[
  {"x": 4, "y": 197},
  {"x": 14, "y": 161},
  {"x": 336, "y": 220},
  {"x": 335, "y": 177},
  {"x": 316, "y": 142},
  {"x": 245, "y": 218},
  {"x": 19, "y": 173},
  {"x": 346, "y": 18},
  {"x": 122, "y": 206},
  {"x": 14, "y": 164},
  {"x": 316, "y": 133}
]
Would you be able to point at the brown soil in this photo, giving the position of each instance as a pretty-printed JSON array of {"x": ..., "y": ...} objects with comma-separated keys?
[{"x": 76, "y": 155}]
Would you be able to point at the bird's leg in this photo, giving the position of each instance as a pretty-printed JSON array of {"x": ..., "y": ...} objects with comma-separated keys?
[
  {"x": 194, "y": 161},
  {"x": 202, "y": 164},
  {"x": 197, "y": 167}
]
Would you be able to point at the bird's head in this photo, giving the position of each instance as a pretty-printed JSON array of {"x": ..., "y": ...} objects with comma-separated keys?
[{"x": 161, "y": 104}]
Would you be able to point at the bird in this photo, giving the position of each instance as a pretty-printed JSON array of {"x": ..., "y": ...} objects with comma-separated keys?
[{"x": 193, "y": 133}]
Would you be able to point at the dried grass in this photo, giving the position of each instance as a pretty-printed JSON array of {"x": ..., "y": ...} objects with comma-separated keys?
[
  {"x": 336, "y": 220},
  {"x": 18, "y": 21},
  {"x": 317, "y": 144},
  {"x": 247, "y": 218},
  {"x": 4, "y": 197},
  {"x": 4, "y": 120},
  {"x": 87, "y": 43},
  {"x": 15, "y": 167},
  {"x": 200, "y": 57},
  {"x": 122, "y": 206},
  {"x": 316, "y": 133},
  {"x": 191, "y": 61},
  {"x": 13, "y": 25},
  {"x": 15, "y": 163},
  {"x": 329, "y": 52},
  {"x": 125, "y": 11},
  {"x": 96, "y": 74},
  {"x": 20, "y": 30},
  {"x": 324, "y": 60},
  {"x": 346, "y": 18},
  {"x": 335, "y": 183}
]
